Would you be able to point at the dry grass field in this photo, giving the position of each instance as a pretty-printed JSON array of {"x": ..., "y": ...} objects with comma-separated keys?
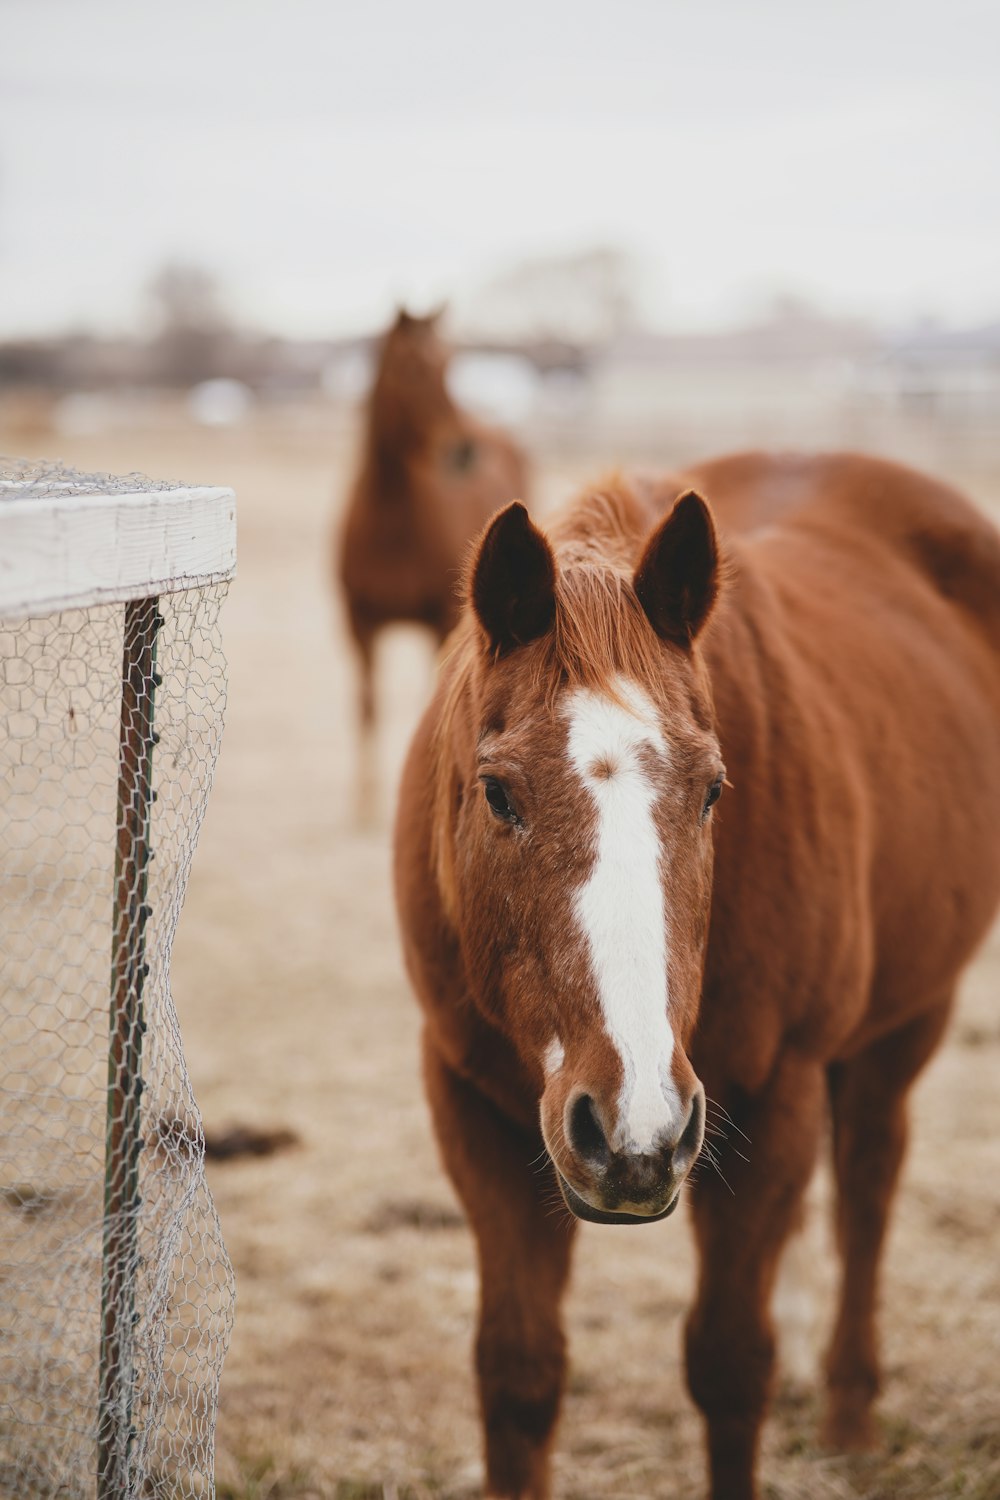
[{"x": 349, "y": 1372}]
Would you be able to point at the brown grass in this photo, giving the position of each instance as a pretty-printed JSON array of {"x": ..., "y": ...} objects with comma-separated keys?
[{"x": 349, "y": 1373}]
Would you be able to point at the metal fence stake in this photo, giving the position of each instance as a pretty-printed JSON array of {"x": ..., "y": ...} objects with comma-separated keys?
[{"x": 128, "y": 972}]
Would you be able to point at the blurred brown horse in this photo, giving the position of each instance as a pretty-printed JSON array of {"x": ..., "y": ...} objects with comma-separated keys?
[
  {"x": 593, "y": 986},
  {"x": 430, "y": 477}
]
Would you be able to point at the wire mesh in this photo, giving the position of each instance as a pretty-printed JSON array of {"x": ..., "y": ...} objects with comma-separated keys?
[
  {"x": 116, "y": 1293},
  {"x": 43, "y": 479}
]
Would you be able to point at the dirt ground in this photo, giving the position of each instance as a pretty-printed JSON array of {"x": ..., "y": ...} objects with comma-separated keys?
[{"x": 349, "y": 1372}]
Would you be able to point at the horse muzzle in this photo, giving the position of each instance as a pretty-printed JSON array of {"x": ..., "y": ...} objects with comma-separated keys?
[
  {"x": 581, "y": 1209},
  {"x": 623, "y": 1187}
]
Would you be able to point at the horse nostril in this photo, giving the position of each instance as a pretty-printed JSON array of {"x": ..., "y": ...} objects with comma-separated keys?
[
  {"x": 694, "y": 1131},
  {"x": 586, "y": 1135}
]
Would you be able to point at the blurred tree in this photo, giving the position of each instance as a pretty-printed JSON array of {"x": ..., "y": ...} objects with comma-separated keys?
[{"x": 194, "y": 339}]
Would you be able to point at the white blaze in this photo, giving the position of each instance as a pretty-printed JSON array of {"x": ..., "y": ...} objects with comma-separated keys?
[{"x": 621, "y": 906}]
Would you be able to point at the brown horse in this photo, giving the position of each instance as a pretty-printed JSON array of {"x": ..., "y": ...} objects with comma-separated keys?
[
  {"x": 589, "y": 983},
  {"x": 430, "y": 477}
]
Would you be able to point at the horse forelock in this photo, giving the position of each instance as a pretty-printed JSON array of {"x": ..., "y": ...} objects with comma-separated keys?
[{"x": 601, "y": 635}]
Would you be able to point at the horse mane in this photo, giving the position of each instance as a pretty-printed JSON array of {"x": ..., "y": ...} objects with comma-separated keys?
[{"x": 600, "y": 633}]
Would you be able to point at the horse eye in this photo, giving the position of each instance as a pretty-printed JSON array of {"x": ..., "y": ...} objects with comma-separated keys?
[
  {"x": 496, "y": 796},
  {"x": 714, "y": 793}
]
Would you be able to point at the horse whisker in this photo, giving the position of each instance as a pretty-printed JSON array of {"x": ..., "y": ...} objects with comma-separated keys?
[{"x": 714, "y": 1104}]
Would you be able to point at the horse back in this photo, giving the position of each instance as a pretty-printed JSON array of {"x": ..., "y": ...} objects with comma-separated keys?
[{"x": 864, "y": 501}]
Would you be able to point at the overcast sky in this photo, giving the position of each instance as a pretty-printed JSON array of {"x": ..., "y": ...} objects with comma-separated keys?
[{"x": 326, "y": 157}]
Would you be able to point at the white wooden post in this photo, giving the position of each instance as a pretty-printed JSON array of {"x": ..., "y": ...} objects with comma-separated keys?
[{"x": 70, "y": 541}]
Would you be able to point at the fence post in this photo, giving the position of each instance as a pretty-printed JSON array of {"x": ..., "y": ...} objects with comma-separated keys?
[{"x": 128, "y": 971}]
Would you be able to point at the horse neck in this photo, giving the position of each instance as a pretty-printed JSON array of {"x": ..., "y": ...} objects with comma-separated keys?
[
  {"x": 386, "y": 467},
  {"x": 401, "y": 417},
  {"x": 398, "y": 433}
]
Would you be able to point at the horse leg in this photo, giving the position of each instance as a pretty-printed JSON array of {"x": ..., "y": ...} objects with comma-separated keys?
[
  {"x": 868, "y": 1095},
  {"x": 366, "y": 782},
  {"x": 740, "y": 1230},
  {"x": 524, "y": 1246}
]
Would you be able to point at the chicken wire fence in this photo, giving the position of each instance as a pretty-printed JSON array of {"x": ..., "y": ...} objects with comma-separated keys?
[{"x": 116, "y": 1292}]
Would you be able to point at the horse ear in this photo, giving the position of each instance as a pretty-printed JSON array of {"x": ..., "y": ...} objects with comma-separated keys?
[
  {"x": 677, "y": 580},
  {"x": 513, "y": 580}
]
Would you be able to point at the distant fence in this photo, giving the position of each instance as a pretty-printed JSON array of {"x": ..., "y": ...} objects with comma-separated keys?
[
  {"x": 675, "y": 414},
  {"x": 116, "y": 1292}
]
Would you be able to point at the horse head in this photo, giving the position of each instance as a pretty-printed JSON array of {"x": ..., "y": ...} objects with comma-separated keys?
[
  {"x": 409, "y": 394},
  {"x": 580, "y": 775}
]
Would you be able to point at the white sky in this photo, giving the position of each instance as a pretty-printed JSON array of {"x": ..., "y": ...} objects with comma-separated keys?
[{"x": 326, "y": 158}]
